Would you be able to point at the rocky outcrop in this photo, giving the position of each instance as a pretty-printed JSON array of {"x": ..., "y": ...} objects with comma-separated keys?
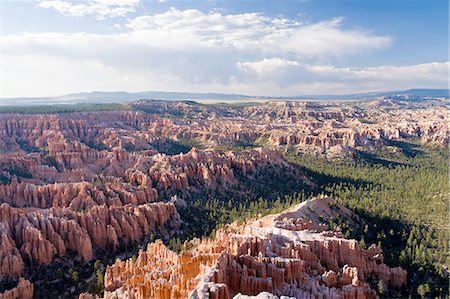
[
  {"x": 97, "y": 142},
  {"x": 319, "y": 128},
  {"x": 277, "y": 254},
  {"x": 205, "y": 168},
  {"x": 76, "y": 196},
  {"x": 144, "y": 180},
  {"x": 23, "y": 290},
  {"x": 38, "y": 236},
  {"x": 11, "y": 262},
  {"x": 40, "y": 130},
  {"x": 86, "y": 182}
]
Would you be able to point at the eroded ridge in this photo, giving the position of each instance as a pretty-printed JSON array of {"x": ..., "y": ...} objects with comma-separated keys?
[
  {"x": 290, "y": 254},
  {"x": 89, "y": 183},
  {"x": 81, "y": 184}
]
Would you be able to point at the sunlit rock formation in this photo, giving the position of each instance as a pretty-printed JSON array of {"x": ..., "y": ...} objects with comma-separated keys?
[
  {"x": 32, "y": 235},
  {"x": 290, "y": 254},
  {"x": 88, "y": 182}
]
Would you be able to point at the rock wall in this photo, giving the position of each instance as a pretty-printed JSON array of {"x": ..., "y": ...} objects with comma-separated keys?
[{"x": 96, "y": 138}]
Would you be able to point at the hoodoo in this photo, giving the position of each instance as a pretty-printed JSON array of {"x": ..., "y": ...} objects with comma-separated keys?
[{"x": 287, "y": 254}]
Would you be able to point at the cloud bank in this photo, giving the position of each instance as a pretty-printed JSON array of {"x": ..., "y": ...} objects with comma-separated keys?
[{"x": 191, "y": 50}]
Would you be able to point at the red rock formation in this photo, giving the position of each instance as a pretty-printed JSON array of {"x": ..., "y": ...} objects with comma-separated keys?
[
  {"x": 40, "y": 235},
  {"x": 23, "y": 290},
  {"x": 81, "y": 190},
  {"x": 148, "y": 176},
  {"x": 275, "y": 254},
  {"x": 76, "y": 196},
  {"x": 11, "y": 262},
  {"x": 308, "y": 126},
  {"x": 81, "y": 181}
]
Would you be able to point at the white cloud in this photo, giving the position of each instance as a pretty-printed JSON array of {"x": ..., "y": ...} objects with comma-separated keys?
[
  {"x": 101, "y": 9},
  {"x": 195, "y": 51},
  {"x": 254, "y": 31},
  {"x": 322, "y": 79},
  {"x": 267, "y": 65}
]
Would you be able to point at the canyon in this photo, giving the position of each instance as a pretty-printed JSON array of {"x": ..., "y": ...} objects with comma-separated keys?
[{"x": 80, "y": 186}]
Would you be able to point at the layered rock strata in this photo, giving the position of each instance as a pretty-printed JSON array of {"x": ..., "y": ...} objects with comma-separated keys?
[
  {"x": 91, "y": 181},
  {"x": 84, "y": 182},
  {"x": 284, "y": 254},
  {"x": 97, "y": 137}
]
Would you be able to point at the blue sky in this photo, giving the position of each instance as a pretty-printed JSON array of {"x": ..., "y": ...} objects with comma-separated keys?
[{"x": 54, "y": 47}]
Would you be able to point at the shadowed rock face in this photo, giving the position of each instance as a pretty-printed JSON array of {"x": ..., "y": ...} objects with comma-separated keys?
[{"x": 284, "y": 254}]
